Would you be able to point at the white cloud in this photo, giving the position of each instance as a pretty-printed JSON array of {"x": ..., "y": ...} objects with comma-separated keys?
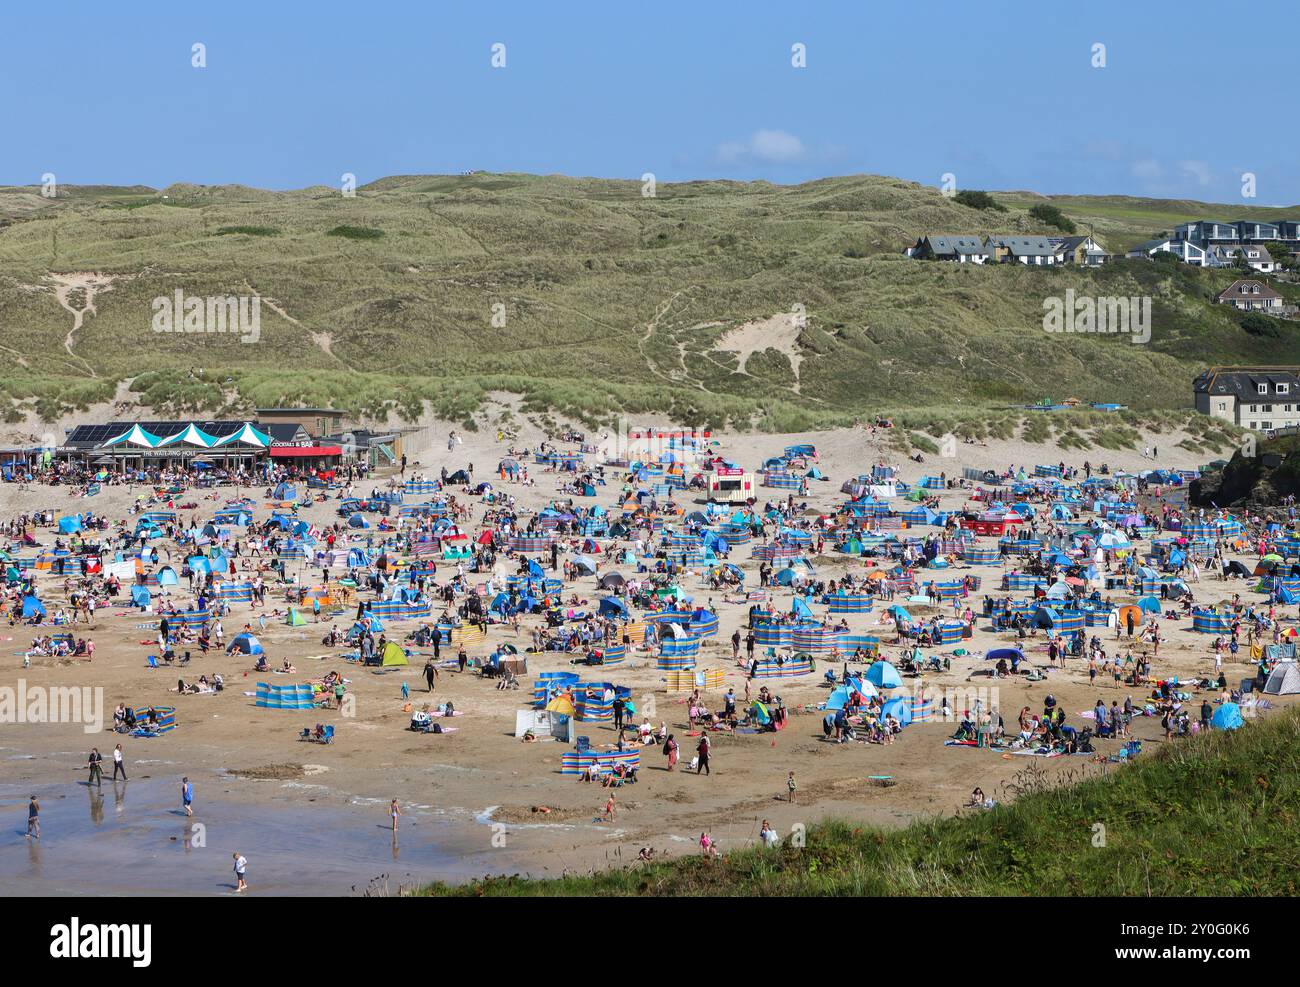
[
  {"x": 1196, "y": 170},
  {"x": 1148, "y": 168},
  {"x": 770, "y": 146}
]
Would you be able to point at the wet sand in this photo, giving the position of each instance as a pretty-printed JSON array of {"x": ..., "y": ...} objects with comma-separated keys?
[{"x": 132, "y": 838}]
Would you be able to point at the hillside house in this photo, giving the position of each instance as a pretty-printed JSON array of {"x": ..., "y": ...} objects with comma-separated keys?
[
  {"x": 1253, "y": 255},
  {"x": 1185, "y": 250},
  {"x": 1250, "y": 296},
  {"x": 961, "y": 249},
  {"x": 1082, "y": 251},
  {"x": 1260, "y": 398},
  {"x": 1032, "y": 251}
]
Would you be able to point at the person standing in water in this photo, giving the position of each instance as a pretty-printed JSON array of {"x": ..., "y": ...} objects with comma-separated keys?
[
  {"x": 241, "y": 870},
  {"x": 34, "y": 818},
  {"x": 96, "y": 772},
  {"x": 118, "y": 766},
  {"x": 394, "y": 811},
  {"x": 187, "y": 796}
]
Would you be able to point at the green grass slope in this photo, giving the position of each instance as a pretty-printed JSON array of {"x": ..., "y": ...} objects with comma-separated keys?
[
  {"x": 612, "y": 301},
  {"x": 1209, "y": 816}
]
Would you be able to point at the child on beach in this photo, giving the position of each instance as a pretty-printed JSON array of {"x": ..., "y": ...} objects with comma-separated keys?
[
  {"x": 187, "y": 796},
  {"x": 394, "y": 811},
  {"x": 241, "y": 868},
  {"x": 790, "y": 786}
]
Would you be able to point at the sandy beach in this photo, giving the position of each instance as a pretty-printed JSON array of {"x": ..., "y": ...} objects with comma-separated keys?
[{"x": 313, "y": 818}]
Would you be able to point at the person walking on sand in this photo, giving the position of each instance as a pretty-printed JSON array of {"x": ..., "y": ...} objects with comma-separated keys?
[
  {"x": 96, "y": 771},
  {"x": 394, "y": 810},
  {"x": 241, "y": 869},
  {"x": 187, "y": 796},
  {"x": 672, "y": 750},
  {"x": 430, "y": 673},
  {"x": 118, "y": 766},
  {"x": 34, "y": 818},
  {"x": 791, "y": 787},
  {"x": 702, "y": 753},
  {"x": 610, "y": 810}
]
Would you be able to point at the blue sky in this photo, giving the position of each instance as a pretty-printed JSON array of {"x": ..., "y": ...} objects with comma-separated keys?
[{"x": 1001, "y": 95}]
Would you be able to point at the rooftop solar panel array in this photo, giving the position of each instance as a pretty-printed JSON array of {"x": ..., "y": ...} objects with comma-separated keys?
[{"x": 93, "y": 435}]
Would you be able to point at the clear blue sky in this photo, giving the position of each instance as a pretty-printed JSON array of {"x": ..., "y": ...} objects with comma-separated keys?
[{"x": 1002, "y": 95}]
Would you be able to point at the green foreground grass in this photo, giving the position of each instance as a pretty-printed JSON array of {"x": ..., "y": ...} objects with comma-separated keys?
[{"x": 1210, "y": 816}]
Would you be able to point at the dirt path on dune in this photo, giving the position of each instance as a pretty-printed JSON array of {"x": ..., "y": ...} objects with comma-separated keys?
[{"x": 87, "y": 284}]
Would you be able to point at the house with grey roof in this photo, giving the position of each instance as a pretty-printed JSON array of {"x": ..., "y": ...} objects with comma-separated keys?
[
  {"x": 1260, "y": 398},
  {"x": 1254, "y": 256},
  {"x": 1033, "y": 251},
  {"x": 1082, "y": 251},
  {"x": 962, "y": 249}
]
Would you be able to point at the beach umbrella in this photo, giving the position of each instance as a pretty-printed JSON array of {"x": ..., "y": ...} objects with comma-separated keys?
[{"x": 561, "y": 704}]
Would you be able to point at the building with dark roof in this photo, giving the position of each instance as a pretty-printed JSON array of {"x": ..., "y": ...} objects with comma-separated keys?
[
  {"x": 137, "y": 444},
  {"x": 1259, "y": 398},
  {"x": 1248, "y": 295},
  {"x": 317, "y": 421}
]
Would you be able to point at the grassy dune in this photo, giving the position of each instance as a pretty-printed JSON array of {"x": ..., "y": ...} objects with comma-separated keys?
[
  {"x": 1211, "y": 816},
  {"x": 611, "y": 301}
]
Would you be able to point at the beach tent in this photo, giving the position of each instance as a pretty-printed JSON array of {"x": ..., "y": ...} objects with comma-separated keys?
[
  {"x": 613, "y": 607},
  {"x": 1130, "y": 610},
  {"x": 1149, "y": 604},
  {"x": 140, "y": 596},
  {"x": 839, "y": 697},
  {"x": 32, "y": 607},
  {"x": 1059, "y": 591},
  {"x": 295, "y": 618},
  {"x": 883, "y": 675},
  {"x": 394, "y": 655},
  {"x": 1227, "y": 717},
  {"x": 1008, "y": 654},
  {"x": 900, "y": 709},
  {"x": 1284, "y": 680},
  {"x": 369, "y": 622},
  {"x": 584, "y": 565},
  {"x": 70, "y": 525},
  {"x": 167, "y": 576},
  {"x": 799, "y": 607},
  {"x": 245, "y": 644}
]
